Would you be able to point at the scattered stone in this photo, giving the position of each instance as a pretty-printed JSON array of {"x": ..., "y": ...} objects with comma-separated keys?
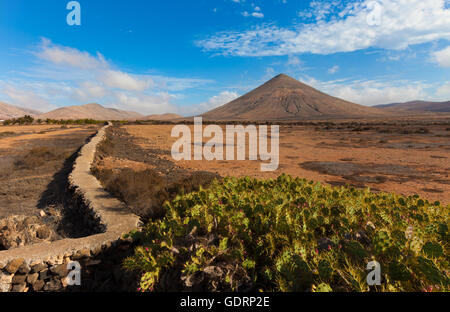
[
  {"x": 14, "y": 265},
  {"x": 5, "y": 282},
  {"x": 43, "y": 232},
  {"x": 60, "y": 270},
  {"x": 19, "y": 279},
  {"x": 38, "y": 267},
  {"x": 38, "y": 285},
  {"x": 42, "y": 213},
  {"x": 24, "y": 268},
  {"x": 32, "y": 278},
  {"x": 20, "y": 288},
  {"x": 53, "y": 285},
  {"x": 17, "y": 231},
  {"x": 44, "y": 274},
  {"x": 4, "y": 287},
  {"x": 82, "y": 254}
]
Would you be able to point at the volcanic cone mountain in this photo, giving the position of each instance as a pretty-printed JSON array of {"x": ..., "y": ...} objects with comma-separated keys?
[{"x": 284, "y": 98}]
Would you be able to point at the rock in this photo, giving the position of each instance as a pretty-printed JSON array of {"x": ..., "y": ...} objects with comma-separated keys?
[
  {"x": 4, "y": 287},
  {"x": 5, "y": 282},
  {"x": 38, "y": 267},
  {"x": 14, "y": 265},
  {"x": 53, "y": 285},
  {"x": 24, "y": 268},
  {"x": 82, "y": 254},
  {"x": 60, "y": 270},
  {"x": 20, "y": 288},
  {"x": 38, "y": 285},
  {"x": 2, "y": 265},
  {"x": 44, "y": 274},
  {"x": 16, "y": 231},
  {"x": 19, "y": 279},
  {"x": 32, "y": 278},
  {"x": 43, "y": 232},
  {"x": 42, "y": 213}
]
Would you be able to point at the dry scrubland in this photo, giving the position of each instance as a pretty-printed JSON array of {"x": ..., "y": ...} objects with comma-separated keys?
[
  {"x": 402, "y": 157},
  {"x": 280, "y": 233},
  {"x": 251, "y": 234},
  {"x": 34, "y": 163}
]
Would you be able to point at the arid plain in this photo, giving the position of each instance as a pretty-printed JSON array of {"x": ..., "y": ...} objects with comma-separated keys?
[{"x": 406, "y": 157}]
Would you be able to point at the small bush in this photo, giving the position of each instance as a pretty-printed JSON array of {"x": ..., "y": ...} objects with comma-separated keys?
[
  {"x": 290, "y": 234},
  {"x": 146, "y": 191},
  {"x": 7, "y": 134},
  {"x": 38, "y": 156}
]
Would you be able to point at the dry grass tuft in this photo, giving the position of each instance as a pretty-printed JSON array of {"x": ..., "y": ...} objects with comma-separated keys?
[
  {"x": 145, "y": 191},
  {"x": 38, "y": 156}
]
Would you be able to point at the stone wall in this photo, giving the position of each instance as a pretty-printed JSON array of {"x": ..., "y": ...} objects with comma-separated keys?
[{"x": 43, "y": 267}]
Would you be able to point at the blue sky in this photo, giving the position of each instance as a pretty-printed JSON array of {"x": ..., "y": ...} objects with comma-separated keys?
[{"x": 190, "y": 56}]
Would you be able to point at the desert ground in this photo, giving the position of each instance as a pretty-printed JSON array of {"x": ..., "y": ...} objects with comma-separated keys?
[
  {"x": 35, "y": 161},
  {"x": 406, "y": 157}
]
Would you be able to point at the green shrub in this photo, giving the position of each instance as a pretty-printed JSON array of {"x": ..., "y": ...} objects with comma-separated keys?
[{"x": 289, "y": 234}]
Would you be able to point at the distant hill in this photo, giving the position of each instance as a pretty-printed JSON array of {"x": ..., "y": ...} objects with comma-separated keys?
[
  {"x": 162, "y": 117},
  {"x": 9, "y": 111},
  {"x": 284, "y": 98},
  {"x": 90, "y": 111},
  {"x": 419, "y": 106}
]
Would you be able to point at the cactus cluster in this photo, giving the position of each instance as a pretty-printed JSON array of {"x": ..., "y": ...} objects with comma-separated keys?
[{"x": 290, "y": 234}]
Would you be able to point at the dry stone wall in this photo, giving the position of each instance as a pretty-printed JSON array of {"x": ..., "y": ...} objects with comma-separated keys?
[{"x": 43, "y": 267}]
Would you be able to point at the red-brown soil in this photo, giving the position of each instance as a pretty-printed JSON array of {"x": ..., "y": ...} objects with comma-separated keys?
[{"x": 402, "y": 157}]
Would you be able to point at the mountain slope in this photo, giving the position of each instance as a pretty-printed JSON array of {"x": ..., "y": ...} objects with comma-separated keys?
[
  {"x": 419, "y": 106},
  {"x": 9, "y": 111},
  {"x": 162, "y": 117},
  {"x": 90, "y": 111},
  {"x": 284, "y": 98}
]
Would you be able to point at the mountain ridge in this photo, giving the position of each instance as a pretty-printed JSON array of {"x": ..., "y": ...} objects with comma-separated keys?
[
  {"x": 424, "y": 106},
  {"x": 8, "y": 111},
  {"x": 90, "y": 111},
  {"x": 285, "y": 98}
]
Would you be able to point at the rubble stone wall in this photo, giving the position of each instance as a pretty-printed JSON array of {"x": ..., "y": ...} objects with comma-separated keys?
[{"x": 43, "y": 267}]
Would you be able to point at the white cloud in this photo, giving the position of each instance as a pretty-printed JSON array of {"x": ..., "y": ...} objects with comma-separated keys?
[
  {"x": 399, "y": 24},
  {"x": 124, "y": 81},
  {"x": 68, "y": 56},
  {"x": 442, "y": 57},
  {"x": 27, "y": 99},
  {"x": 257, "y": 13},
  {"x": 333, "y": 69},
  {"x": 222, "y": 98},
  {"x": 213, "y": 102},
  {"x": 371, "y": 92},
  {"x": 443, "y": 92},
  {"x": 159, "y": 103},
  {"x": 89, "y": 91},
  {"x": 68, "y": 76}
]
